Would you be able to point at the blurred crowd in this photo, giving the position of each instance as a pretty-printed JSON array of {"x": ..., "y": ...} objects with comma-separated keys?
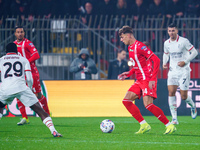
[{"x": 122, "y": 8}]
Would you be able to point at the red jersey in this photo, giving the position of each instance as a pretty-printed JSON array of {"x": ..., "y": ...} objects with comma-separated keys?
[
  {"x": 139, "y": 55},
  {"x": 26, "y": 49}
]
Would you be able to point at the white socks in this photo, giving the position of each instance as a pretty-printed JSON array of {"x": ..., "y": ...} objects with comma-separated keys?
[
  {"x": 143, "y": 122},
  {"x": 173, "y": 106},
  {"x": 48, "y": 122},
  {"x": 190, "y": 102}
]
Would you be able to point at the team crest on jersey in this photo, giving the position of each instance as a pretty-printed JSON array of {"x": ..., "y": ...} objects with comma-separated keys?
[
  {"x": 31, "y": 44},
  {"x": 144, "y": 48}
]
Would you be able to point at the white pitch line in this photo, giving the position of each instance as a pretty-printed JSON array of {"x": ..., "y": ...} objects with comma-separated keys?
[
  {"x": 137, "y": 142},
  {"x": 85, "y": 141}
]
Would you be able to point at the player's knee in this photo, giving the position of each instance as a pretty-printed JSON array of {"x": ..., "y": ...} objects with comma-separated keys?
[
  {"x": 183, "y": 97},
  {"x": 171, "y": 93}
]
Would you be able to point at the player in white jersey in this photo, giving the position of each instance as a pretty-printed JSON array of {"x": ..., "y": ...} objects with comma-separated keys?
[
  {"x": 181, "y": 52},
  {"x": 13, "y": 70}
]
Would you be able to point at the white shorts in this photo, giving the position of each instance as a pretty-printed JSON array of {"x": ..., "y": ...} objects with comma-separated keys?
[
  {"x": 182, "y": 80},
  {"x": 27, "y": 97}
]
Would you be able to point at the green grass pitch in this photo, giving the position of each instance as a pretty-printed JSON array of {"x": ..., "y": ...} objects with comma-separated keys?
[{"x": 84, "y": 134}]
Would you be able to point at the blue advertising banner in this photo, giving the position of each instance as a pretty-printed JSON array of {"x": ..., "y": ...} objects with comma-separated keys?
[{"x": 162, "y": 100}]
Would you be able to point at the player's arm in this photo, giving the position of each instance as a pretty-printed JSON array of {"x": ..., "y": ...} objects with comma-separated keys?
[
  {"x": 34, "y": 53},
  {"x": 29, "y": 79},
  {"x": 125, "y": 75},
  {"x": 165, "y": 58},
  {"x": 193, "y": 54},
  {"x": 156, "y": 65},
  {"x": 34, "y": 57}
]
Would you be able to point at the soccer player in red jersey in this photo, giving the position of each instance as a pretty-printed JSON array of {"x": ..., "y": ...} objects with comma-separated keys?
[
  {"x": 26, "y": 49},
  {"x": 142, "y": 59}
]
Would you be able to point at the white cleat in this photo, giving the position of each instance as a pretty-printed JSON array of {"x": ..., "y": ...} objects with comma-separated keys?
[
  {"x": 23, "y": 121},
  {"x": 193, "y": 112},
  {"x": 174, "y": 121}
]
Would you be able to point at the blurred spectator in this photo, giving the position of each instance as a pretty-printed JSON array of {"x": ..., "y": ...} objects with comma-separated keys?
[
  {"x": 106, "y": 7},
  {"x": 121, "y": 8},
  {"x": 88, "y": 17},
  {"x": 19, "y": 8},
  {"x": 175, "y": 8},
  {"x": 81, "y": 5},
  {"x": 139, "y": 9},
  {"x": 41, "y": 8},
  {"x": 83, "y": 66},
  {"x": 192, "y": 8},
  {"x": 118, "y": 65},
  {"x": 157, "y": 8}
]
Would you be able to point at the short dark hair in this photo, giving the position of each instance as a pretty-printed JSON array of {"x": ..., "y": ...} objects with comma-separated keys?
[
  {"x": 17, "y": 27},
  {"x": 11, "y": 48},
  {"x": 121, "y": 50},
  {"x": 172, "y": 25},
  {"x": 125, "y": 29}
]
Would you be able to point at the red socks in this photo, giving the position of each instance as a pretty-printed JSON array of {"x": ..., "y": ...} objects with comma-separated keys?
[
  {"x": 158, "y": 113},
  {"x": 22, "y": 109},
  {"x": 43, "y": 101},
  {"x": 133, "y": 109},
  {"x": 135, "y": 112}
]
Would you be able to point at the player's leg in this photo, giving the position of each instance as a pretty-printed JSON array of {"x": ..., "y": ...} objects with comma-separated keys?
[
  {"x": 148, "y": 103},
  {"x": 189, "y": 101},
  {"x": 133, "y": 109},
  {"x": 29, "y": 99},
  {"x": 172, "y": 102},
  {"x": 42, "y": 99},
  {"x": 45, "y": 118},
  {"x": 37, "y": 90},
  {"x": 173, "y": 83},
  {"x": 184, "y": 86},
  {"x": 2, "y": 105},
  {"x": 22, "y": 110}
]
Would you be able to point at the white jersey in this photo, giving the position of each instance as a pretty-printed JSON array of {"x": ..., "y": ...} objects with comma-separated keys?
[
  {"x": 178, "y": 50},
  {"x": 12, "y": 68}
]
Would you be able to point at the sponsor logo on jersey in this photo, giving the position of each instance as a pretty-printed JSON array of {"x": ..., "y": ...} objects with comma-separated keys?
[
  {"x": 131, "y": 50},
  {"x": 144, "y": 48},
  {"x": 19, "y": 45}
]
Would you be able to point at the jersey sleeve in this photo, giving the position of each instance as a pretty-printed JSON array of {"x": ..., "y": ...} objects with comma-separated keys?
[
  {"x": 188, "y": 45},
  {"x": 31, "y": 48},
  {"x": 145, "y": 51},
  {"x": 34, "y": 53},
  {"x": 27, "y": 66},
  {"x": 165, "y": 49}
]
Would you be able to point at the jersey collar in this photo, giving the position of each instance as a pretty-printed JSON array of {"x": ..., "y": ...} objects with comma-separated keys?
[
  {"x": 175, "y": 40},
  {"x": 21, "y": 41},
  {"x": 11, "y": 54}
]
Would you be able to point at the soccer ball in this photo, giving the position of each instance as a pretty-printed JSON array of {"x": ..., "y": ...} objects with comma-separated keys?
[{"x": 107, "y": 126}]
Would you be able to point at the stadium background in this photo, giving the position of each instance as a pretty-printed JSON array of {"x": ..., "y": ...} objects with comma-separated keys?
[{"x": 59, "y": 39}]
